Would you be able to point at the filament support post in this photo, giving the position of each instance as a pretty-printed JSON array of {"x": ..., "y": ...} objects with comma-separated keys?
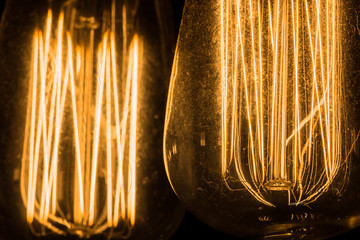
[{"x": 278, "y": 185}]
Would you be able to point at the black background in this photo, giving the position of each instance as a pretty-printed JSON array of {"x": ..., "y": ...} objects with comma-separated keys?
[{"x": 190, "y": 227}]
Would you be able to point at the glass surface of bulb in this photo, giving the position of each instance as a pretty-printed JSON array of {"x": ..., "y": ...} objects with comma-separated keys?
[
  {"x": 83, "y": 100},
  {"x": 262, "y": 122}
]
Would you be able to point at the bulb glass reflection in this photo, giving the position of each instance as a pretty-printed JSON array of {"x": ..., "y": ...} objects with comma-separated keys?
[
  {"x": 92, "y": 85},
  {"x": 260, "y": 122}
]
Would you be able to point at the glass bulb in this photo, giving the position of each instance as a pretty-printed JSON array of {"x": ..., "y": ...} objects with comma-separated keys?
[
  {"x": 261, "y": 129},
  {"x": 83, "y": 96}
]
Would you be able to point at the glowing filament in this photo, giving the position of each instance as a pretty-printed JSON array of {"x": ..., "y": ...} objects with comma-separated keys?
[
  {"x": 281, "y": 84},
  {"x": 58, "y": 110}
]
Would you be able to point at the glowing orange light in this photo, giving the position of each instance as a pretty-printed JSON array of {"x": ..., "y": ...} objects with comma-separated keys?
[
  {"x": 56, "y": 97},
  {"x": 300, "y": 105}
]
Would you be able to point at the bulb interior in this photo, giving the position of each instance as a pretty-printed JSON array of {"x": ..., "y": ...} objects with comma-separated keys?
[
  {"x": 84, "y": 122},
  {"x": 281, "y": 83}
]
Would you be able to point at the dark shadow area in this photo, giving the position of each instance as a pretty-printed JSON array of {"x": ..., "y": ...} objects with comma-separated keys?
[{"x": 194, "y": 229}]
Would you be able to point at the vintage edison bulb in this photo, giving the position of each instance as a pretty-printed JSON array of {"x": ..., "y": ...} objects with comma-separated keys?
[
  {"x": 262, "y": 123},
  {"x": 83, "y": 95}
]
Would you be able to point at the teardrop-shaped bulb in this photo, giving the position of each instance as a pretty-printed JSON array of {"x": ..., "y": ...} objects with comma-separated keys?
[
  {"x": 262, "y": 122},
  {"x": 83, "y": 95}
]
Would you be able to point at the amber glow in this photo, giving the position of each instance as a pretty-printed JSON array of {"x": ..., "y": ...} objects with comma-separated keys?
[
  {"x": 281, "y": 83},
  {"x": 101, "y": 115}
]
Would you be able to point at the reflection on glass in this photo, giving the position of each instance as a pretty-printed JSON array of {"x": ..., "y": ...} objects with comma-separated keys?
[{"x": 258, "y": 122}]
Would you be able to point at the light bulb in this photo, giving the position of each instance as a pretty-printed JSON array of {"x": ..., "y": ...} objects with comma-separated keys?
[
  {"x": 261, "y": 129},
  {"x": 84, "y": 91}
]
